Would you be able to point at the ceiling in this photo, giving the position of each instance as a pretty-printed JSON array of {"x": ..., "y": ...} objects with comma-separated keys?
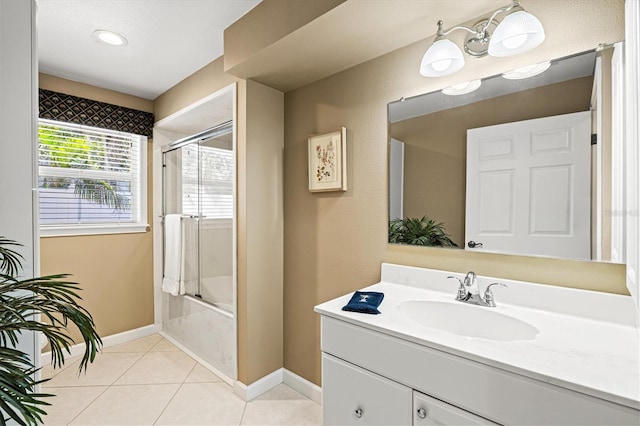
[{"x": 168, "y": 40}]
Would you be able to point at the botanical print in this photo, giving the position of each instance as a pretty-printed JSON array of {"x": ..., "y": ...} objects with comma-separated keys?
[
  {"x": 325, "y": 170},
  {"x": 327, "y": 167}
]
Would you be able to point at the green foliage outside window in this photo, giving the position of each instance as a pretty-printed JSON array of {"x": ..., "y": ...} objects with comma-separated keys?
[{"x": 61, "y": 150}]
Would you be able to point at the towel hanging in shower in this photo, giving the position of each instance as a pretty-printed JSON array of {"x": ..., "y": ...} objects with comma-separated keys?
[{"x": 173, "y": 281}]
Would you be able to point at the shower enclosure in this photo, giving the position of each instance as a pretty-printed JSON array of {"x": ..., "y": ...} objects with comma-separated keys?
[{"x": 198, "y": 185}]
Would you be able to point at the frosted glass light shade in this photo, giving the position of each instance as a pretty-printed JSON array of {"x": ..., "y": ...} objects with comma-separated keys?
[
  {"x": 442, "y": 58},
  {"x": 528, "y": 71},
  {"x": 462, "y": 88},
  {"x": 517, "y": 33}
]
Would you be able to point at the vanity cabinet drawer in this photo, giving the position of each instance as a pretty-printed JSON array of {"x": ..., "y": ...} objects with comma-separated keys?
[
  {"x": 354, "y": 396},
  {"x": 429, "y": 411}
]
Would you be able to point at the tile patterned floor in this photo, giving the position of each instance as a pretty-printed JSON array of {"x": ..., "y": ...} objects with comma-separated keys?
[{"x": 150, "y": 381}]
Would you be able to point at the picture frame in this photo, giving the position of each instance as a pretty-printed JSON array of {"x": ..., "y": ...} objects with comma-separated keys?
[{"x": 327, "y": 157}]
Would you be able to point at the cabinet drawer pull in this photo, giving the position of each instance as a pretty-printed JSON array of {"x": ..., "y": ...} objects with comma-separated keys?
[
  {"x": 358, "y": 413},
  {"x": 422, "y": 413}
]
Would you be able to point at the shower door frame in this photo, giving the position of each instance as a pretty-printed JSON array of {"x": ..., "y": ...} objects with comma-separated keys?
[{"x": 168, "y": 130}]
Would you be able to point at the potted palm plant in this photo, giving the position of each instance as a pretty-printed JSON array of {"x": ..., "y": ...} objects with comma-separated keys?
[
  {"x": 419, "y": 231},
  {"x": 23, "y": 302}
]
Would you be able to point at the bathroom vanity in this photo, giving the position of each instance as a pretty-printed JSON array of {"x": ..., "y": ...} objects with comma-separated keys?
[{"x": 544, "y": 355}]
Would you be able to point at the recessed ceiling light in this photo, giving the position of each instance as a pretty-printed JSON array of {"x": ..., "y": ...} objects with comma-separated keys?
[
  {"x": 109, "y": 37},
  {"x": 462, "y": 88},
  {"x": 528, "y": 71}
]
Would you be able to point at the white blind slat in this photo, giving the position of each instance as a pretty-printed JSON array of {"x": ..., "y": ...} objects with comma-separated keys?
[
  {"x": 207, "y": 181},
  {"x": 88, "y": 176}
]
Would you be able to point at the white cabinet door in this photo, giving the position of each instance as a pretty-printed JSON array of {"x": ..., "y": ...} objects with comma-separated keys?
[
  {"x": 430, "y": 411},
  {"x": 354, "y": 396}
]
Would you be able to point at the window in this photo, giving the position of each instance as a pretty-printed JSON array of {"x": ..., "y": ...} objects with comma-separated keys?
[
  {"x": 91, "y": 180},
  {"x": 213, "y": 168}
]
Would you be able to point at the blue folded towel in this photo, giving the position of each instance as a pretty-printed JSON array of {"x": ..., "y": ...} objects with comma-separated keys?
[{"x": 366, "y": 302}]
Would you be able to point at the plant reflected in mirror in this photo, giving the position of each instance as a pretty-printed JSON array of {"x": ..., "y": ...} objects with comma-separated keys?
[{"x": 419, "y": 232}]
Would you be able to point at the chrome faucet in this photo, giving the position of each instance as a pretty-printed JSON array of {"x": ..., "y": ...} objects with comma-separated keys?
[
  {"x": 468, "y": 291},
  {"x": 471, "y": 283}
]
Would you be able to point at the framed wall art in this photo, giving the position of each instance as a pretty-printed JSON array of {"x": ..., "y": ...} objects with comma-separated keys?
[{"x": 328, "y": 161}]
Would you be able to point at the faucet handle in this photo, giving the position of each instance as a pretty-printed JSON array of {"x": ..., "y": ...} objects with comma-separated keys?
[
  {"x": 462, "y": 291},
  {"x": 488, "y": 294}
]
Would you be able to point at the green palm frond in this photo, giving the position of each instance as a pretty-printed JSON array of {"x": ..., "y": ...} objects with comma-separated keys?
[
  {"x": 100, "y": 192},
  {"x": 419, "y": 231},
  {"x": 10, "y": 260},
  {"x": 55, "y": 299},
  {"x": 18, "y": 398}
]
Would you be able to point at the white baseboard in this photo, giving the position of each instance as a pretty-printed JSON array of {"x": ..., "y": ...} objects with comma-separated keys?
[
  {"x": 302, "y": 385},
  {"x": 258, "y": 387},
  {"x": 200, "y": 360},
  {"x": 108, "y": 341},
  {"x": 268, "y": 382}
]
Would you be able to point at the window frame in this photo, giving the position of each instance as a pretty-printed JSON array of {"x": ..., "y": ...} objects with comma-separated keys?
[{"x": 141, "y": 223}]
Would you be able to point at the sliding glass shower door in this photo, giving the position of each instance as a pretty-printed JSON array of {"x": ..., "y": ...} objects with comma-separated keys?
[{"x": 198, "y": 185}]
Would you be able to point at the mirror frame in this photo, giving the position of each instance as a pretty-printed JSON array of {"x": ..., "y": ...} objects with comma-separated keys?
[{"x": 632, "y": 151}]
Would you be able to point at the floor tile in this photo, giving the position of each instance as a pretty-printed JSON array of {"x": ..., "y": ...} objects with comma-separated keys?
[
  {"x": 151, "y": 381},
  {"x": 200, "y": 374},
  {"x": 127, "y": 405},
  {"x": 48, "y": 372},
  {"x": 139, "y": 345},
  {"x": 163, "y": 345},
  {"x": 105, "y": 370},
  {"x": 159, "y": 367},
  {"x": 69, "y": 402},
  {"x": 203, "y": 404},
  {"x": 290, "y": 412}
]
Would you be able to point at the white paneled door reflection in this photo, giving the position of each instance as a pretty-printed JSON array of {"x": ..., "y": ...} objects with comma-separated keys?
[{"x": 528, "y": 187}]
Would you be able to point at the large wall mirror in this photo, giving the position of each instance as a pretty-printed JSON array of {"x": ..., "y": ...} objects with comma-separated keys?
[{"x": 526, "y": 163}]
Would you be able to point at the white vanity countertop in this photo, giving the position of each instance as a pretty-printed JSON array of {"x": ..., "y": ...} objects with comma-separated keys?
[{"x": 593, "y": 356}]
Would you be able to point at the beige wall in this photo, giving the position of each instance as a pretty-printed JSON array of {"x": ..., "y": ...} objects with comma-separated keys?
[
  {"x": 114, "y": 271},
  {"x": 605, "y": 159},
  {"x": 260, "y": 233},
  {"x": 268, "y": 23},
  {"x": 335, "y": 242},
  {"x": 435, "y": 146}
]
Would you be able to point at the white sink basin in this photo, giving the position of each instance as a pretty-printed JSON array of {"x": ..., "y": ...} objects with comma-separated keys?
[{"x": 467, "y": 320}]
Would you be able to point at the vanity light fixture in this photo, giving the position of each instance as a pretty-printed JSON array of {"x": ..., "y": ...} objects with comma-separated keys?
[
  {"x": 518, "y": 32},
  {"x": 462, "y": 88},
  {"x": 108, "y": 37},
  {"x": 528, "y": 71}
]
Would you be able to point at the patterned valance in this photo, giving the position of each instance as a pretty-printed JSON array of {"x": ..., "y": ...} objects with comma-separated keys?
[{"x": 72, "y": 109}]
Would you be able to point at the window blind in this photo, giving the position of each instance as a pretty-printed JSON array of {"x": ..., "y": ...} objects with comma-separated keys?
[
  {"x": 207, "y": 181},
  {"x": 89, "y": 176}
]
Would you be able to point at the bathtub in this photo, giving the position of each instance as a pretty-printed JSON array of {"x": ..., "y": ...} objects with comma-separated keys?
[
  {"x": 217, "y": 291},
  {"x": 206, "y": 326}
]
